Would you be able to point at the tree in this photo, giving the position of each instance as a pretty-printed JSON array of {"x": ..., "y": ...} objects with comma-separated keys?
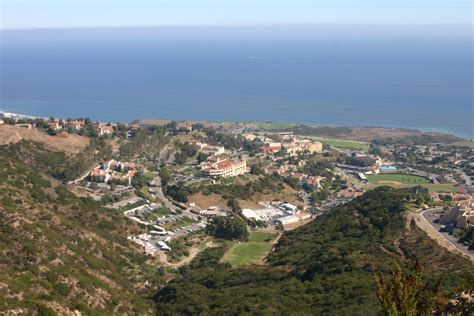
[
  {"x": 406, "y": 294},
  {"x": 234, "y": 205},
  {"x": 256, "y": 169},
  {"x": 231, "y": 228},
  {"x": 201, "y": 157}
]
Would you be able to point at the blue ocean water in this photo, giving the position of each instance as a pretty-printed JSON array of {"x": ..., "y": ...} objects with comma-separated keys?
[{"x": 416, "y": 77}]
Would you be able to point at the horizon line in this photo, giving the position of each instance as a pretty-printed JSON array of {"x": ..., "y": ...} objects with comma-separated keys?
[{"x": 236, "y": 25}]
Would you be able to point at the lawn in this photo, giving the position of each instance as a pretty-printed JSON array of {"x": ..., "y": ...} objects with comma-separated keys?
[
  {"x": 441, "y": 188},
  {"x": 247, "y": 253},
  {"x": 396, "y": 178},
  {"x": 251, "y": 252},
  {"x": 344, "y": 144},
  {"x": 262, "y": 236}
]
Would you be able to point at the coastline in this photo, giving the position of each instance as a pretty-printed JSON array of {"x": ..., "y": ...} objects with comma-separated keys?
[{"x": 257, "y": 123}]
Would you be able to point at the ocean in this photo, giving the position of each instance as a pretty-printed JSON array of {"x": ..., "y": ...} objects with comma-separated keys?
[{"x": 414, "y": 77}]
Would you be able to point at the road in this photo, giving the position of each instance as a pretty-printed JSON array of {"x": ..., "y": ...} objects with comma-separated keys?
[{"x": 429, "y": 216}]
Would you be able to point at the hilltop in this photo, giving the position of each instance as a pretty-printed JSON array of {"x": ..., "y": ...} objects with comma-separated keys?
[{"x": 69, "y": 143}]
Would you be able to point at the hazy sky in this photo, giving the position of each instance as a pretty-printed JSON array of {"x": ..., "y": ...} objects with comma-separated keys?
[{"x": 87, "y": 13}]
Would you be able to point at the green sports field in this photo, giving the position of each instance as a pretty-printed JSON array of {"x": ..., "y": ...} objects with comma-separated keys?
[
  {"x": 344, "y": 144},
  {"x": 252, "y": 251},
  {"x": 396, "y": 178},
  {"x": 262, "y": 236}
]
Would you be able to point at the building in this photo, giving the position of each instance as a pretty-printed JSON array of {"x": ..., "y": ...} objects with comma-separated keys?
[
  {"x": 223, "y": 168},
  {"x": 115, "y": 171},
  {"x": 290, "y": 208},
  {"x": 315, "y": 181},
  {"x": 102, "y": 129},
  {"x": 315, "y": 147},
  {"x": 54, "y": 126},
  {"x": 292, "y": 148},
  {"x": 75, "y": 124},
  {"x": 285, "y": 220},
  {"x": 461, "y": 215},
  {"x": 271, "y": 149},
  {"x": 213, "y": 150},
  {"x": 250, "y": 214},
  {"x": 184, "y": 126},
  {"x": 213, "y": 211},
  {"x": 249, "y": 137},
  {"x": 99, "y": 175}
]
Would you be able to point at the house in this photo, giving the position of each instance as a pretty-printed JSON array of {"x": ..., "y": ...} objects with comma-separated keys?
[
  {"x": 184, "y": 126},
  {"x": 113, "y": 170},
  {"x": 75, "y": 124},
  {"x": 271, "y": 149},
  {"x": 54, "y": 126},
  {"x": 225, "y": 168},
  {"x": 99, "y": 175},
  {"x": 102, "y": 129},
  {"x": 315, "y": 181}
]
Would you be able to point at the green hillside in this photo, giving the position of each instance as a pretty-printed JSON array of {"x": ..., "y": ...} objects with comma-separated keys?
[
  {"x": 324, "y": 267},
  {"x": 60, "y": 253}
]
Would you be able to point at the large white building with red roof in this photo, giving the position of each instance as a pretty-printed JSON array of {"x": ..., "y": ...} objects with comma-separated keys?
[{"x": 223, "y": 168}]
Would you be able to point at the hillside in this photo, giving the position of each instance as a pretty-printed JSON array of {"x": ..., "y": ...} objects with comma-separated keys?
[
  {"x": 59, "y": 252},
  {"x": 325, "y": 267},
  {"x": 68, "y": 143}
]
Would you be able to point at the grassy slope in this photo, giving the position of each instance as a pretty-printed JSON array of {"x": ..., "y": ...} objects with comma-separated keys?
[
  {"x": 59, "y": 252},
  {"x": 324, "y": 267}
]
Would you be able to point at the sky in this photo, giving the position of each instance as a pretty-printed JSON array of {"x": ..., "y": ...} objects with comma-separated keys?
[{"x": 32, "y": 14}]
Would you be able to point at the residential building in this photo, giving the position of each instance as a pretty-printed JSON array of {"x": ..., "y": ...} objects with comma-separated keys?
[
  {"x": 315, "y": 181},
  {"x": 184, "y": 126},
  {"x": 102, "y": 129},
  {"x": 75, "y": 124},
  {"x": 55, "y": 126},
  {"x": 271, "y": 149}
]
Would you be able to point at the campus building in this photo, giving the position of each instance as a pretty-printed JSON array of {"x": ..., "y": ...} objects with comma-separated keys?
[{"x": 223, "y": 168}]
